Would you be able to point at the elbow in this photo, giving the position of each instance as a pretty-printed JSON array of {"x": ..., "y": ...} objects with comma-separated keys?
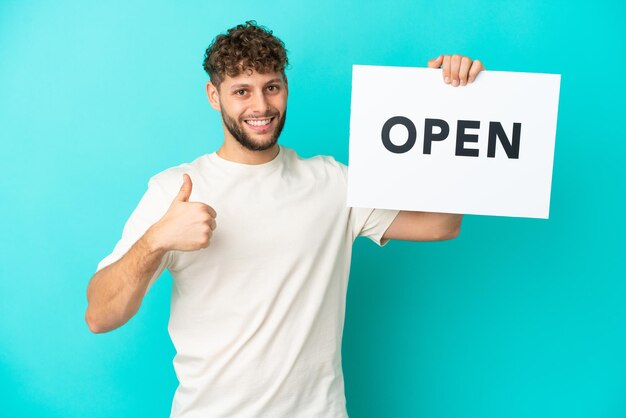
[
  {"x": 454, "y": 233},
  {"x": 99, "y": 321},
  {"x": 93, "y": 314},
  {"x": 94, "y": 325},
  {"x": 449, "y": 234},
  {"x": 453, "y": 230}
]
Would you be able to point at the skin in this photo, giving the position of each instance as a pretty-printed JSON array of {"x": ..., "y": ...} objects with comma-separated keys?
[
  {"x": 250, "y": 96},
  {"x": 115, "y": 293}
]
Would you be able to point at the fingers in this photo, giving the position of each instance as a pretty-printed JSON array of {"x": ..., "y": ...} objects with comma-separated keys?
[
  {"x": 476, "y": 67},
  {"x": 212, "y": 216},
  {"x": 205, "y": 208},
  {"x": 211, "y": 211},
  {"x": 457, "y": 70},
  {"x": 446, "y": 69},
  {"x": 435, "y": 62},
  {"x": 455, "y": 65},
  {"x": 208, "y": 214},
  {"x": 466, "y": 63},
  {"x": 185, "y": 189},
  {"x": 185, "y": 192}
]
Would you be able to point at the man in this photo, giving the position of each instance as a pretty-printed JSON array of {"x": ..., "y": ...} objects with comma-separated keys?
[{"x": 257, "y": 315}]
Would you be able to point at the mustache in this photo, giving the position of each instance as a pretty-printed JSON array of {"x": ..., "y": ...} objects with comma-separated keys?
[{"x": 267, "y": 114}]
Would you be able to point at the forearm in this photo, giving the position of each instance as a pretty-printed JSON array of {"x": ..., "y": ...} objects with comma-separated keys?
[
  {"x": 450, "y": 224},
  {"x": 115, "y": 293},
  {"x": 424, "y": 226}
]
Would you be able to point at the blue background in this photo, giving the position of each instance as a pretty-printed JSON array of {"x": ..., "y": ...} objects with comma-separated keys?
[{"x": 515, "y": 318}]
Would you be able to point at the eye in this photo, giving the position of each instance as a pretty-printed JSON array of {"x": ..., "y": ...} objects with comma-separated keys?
[
  {"x": 272, "y": 88},
  {"x": 240, "y": 92}
]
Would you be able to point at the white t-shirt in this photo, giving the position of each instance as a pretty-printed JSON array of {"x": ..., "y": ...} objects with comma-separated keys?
[{"x": 257, "y": 316}]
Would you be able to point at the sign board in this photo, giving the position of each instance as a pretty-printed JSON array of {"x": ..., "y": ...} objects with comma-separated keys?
[{"x": 419, "y": 144}]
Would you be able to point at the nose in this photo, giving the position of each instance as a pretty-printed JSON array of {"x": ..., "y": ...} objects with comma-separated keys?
[{"x": 259, "y": 103}]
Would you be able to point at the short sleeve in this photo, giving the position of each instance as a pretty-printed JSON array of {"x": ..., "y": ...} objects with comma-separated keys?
[
  {"x": 372, "y": 223},
  {"x": 151, "y": 207}
]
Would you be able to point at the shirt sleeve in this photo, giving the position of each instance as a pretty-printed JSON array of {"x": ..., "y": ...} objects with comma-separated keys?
[
  {"x": 152, "y": 206},
  {"x": 372, "y": 223},
  {"x": 366, "y": 222}
]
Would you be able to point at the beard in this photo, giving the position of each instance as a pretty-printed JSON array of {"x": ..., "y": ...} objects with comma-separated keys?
[{"x": 236, "y": 130}]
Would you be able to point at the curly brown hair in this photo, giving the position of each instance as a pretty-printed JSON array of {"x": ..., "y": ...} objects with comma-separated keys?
[{"x": 245, "y": 47}]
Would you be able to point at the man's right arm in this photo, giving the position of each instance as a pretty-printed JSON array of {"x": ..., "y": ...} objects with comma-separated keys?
[{"x": 115, "y": 292}]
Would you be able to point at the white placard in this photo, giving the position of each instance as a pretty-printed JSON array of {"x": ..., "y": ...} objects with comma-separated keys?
[{"x": 495, "y": 160}]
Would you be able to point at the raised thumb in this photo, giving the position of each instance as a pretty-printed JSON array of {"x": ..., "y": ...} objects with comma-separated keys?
[{"x": 185, "y": 189}]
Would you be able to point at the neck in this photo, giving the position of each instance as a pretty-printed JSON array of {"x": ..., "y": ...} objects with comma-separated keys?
[{"x": 232, "y": 150}]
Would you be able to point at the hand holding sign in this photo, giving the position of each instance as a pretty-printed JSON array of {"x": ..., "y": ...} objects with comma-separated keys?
[
  {"x": 457, "y": 69},
  {"x": 417, "y": 145}
]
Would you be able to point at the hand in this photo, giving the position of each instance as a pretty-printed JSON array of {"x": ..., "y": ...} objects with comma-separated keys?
[
  {"x": 186, "y": 226},
  {"x": 457, "y": 69}
]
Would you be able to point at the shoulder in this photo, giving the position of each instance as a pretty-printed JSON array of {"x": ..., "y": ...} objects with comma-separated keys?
[
  {"x": 320, "y": 164},
  {"x": 172, "y": 178}
]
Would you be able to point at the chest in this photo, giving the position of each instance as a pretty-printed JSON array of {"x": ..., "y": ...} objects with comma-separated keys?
[{"x": 261, "y": 221}]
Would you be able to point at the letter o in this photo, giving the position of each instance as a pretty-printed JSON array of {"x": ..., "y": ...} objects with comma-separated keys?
[{"x": 410, "y": 141}]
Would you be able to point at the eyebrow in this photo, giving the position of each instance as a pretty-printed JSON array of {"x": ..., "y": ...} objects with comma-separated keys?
[
  {"x": 244, "y": 85},
  {"x": 274, "y": 80}
]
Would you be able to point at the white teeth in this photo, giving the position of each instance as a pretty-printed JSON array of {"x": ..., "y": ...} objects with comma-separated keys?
[{"x": 259, "y": 122}]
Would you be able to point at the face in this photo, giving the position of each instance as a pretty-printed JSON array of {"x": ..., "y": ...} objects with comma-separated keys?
[{"x": 253, "y": 108}]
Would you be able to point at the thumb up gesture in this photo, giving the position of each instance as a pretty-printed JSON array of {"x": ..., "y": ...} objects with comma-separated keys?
[{"x": 186, "y": 226}]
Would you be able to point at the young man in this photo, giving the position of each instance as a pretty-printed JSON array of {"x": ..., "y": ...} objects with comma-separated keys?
[{"x": 256, "y": 316}]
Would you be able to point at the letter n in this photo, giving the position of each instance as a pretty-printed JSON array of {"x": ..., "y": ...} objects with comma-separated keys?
[{"x": 511, "y": 148}]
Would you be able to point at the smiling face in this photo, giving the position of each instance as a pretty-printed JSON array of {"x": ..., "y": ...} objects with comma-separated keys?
[{"x": 253, "y": 107}]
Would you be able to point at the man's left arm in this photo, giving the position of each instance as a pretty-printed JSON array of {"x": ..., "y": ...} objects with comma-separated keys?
[
  {"x": 457, "y": 70},
  {"x": 424, "y": 226}
]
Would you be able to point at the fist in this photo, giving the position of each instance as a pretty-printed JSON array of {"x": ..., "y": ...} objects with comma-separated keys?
[{"x": 186, "y": 226}]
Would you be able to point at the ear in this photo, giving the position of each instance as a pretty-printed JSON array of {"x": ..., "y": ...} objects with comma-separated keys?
[{"x": 213, "y": 95}]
